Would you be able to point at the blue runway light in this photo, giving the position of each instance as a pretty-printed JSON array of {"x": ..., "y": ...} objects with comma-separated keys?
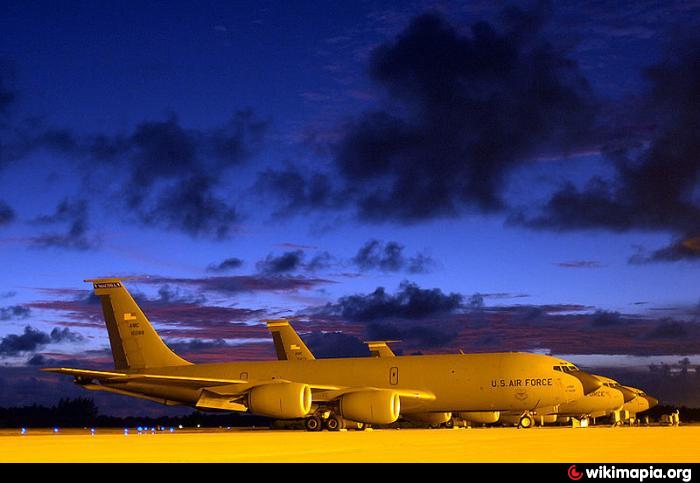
[
  {"x": 126, "y": 431},
  {"x": 55, "y": 430},
  {"x": 172, "y": 429},
  {"x": 24, "y": 430},
  {"x": 139, "y": 429}
]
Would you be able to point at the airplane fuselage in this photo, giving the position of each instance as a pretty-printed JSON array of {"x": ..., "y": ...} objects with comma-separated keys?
[{"x": 460, "y": 382}]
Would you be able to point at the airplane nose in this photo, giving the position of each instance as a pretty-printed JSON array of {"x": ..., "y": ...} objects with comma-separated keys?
[
  {"x": 626, "y": 393},
  {"x": 652, "y": 401},
  {"x": 590, "y": 383}
]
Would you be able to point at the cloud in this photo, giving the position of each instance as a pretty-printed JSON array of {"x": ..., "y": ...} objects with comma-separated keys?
[
  {"x": 14, "y": 312},
  {"x": 226, "y": 265},
  {"x": 298, "y": 191},
  {"x": 65, "y": 335},
  {"x": 7, "y": 214},
  {"x": 7, "y": 96},
  {"x": 410, "y": 302},
  {"x": 670, "y": 329},
  {"x": 295, "y": 260},
  {"x": 604, "y": 318},
  {"x": 580, "y": 264},
  {"x": 167, "y": 175},
  {"x": 424, "y": 336},
  {"x": 678, "y": 250},
  {"x": 29, "y": 341},
  {"x": 335, "y": 344},
  {"x": 75, "y": 215},
  {"x": 196, "y": 345},
  {"x": 389, "y": 257},
  {"x": 183, "y": 167},
  {"x": 655, "y": 180},
  {"x": 462, "y": 111},
  {"x": 287, "y": 262}
]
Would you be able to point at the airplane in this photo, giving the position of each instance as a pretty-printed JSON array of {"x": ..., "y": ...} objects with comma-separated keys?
[
  {"x": 634, "y": 405},
  {"x": 369, "y": 390},
  {"x": 607, "y": 400},
  {"x": 602, "y": 401},
  {"x": 290, "y": 347}
]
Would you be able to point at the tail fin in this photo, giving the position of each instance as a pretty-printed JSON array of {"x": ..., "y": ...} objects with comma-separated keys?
[
  {"x": 380, "y": 348},
  {"x": 288, "y": 344},
  {"x": 135, "y": 343}
]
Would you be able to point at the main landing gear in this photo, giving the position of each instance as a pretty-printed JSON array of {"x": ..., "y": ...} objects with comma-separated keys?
[
  {"x": 526, "y": 421},
  {"x": 332, "y": 422}
]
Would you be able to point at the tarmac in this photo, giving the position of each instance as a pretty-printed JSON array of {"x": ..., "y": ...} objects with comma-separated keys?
[{"x": 656, "y": 444}]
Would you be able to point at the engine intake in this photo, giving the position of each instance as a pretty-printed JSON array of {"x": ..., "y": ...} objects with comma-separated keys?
[
  {"x": 284, "y": 400},
  {"x": 372, "y": 407}
]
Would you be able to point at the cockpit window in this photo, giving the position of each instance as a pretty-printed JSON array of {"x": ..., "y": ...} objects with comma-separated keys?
[{"x": 557, "y": 368}]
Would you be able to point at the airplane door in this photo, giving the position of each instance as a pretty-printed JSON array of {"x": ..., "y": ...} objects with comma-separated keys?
[{"x": 394, "y": 376}]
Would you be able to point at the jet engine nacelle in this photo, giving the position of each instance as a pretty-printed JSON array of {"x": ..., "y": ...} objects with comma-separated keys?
[
  {"x": 481, "y": 417},
  {"x": 284, "y": 400},
  {"x": 429, "y": 418},
  {"x": 372, "y": 407}
]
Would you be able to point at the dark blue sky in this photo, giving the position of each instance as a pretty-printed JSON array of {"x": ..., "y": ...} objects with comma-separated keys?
[{"x": 478, "y": 161}]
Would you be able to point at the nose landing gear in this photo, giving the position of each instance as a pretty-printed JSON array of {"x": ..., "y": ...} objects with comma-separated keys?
[{"x": 526, "y": 421}]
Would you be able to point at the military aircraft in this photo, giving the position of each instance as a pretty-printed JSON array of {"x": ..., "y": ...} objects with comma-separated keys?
[
  {"x": 604, "y": 400},
  {"x": 636, "y": 400},
  {"x": 370, "y": 390}
]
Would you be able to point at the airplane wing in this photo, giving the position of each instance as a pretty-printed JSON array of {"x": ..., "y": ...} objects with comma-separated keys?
[
  {"x": 228, "y": 394},
  {"x": 125, "y": 377}
]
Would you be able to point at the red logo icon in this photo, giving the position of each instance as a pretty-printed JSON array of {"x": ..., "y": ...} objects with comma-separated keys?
[{"x": 574, "y": 474}]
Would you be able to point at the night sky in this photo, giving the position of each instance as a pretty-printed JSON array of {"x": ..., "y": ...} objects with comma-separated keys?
[{"x": 457, "y": 175}]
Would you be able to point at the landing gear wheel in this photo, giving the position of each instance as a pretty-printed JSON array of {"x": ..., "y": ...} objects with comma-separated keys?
[
  {"x": 313, "y": 423},
  {"x": 449, "y": 424},
  {"x": 526, "y": 422},
  {"x": 335, "y": 423}
]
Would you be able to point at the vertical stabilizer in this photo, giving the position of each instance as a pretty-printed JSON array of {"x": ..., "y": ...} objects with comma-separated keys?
[
  {"x": 135, "y": 343},
  {"x": 288, "y": 344}
]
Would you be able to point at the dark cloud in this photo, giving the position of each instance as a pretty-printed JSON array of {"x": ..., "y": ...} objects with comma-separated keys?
[
  {"x": 298, "y": 191},
  {"x": 14, "y": 312},
  {"x": 7, "y": 214},
  {"x": 580, "y": 264},
  {"x": 190, "y": 206},
  {"x": 679, "y": 250},
  {"x": 295, "y": 260},
  {"x": 604, "y": 318},
  {"x": 670, "y": 329},
  {"x": 287, "y": 262},
  {"x": 167, "y": 175},
  {"x": 243, "y": 283},
  {"x": 335, "y": 344},
  {"x": 197, "y": 345},
  {"x": 426, "y": 336},
  {"x": 462, "y": 111},
  {"x": 65, "y": 335},
  {"x": 226, "y": 265},
  {"x": 389, "y": 257},
  {"x": 410, "y": 302},
  {"x": 29, "y": 341},
  {"x": 7, "y": 95},
  {"x": 655, "y": 180},
  {"x": 74, "y": 215},
  {"x": 183, "y": 167}
]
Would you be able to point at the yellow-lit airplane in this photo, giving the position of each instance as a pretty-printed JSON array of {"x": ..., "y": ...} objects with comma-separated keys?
[
  {"x": 636, "y": 400},
  {"x": 607, "y": 400},
  {"x": 370, "y": 390}
]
